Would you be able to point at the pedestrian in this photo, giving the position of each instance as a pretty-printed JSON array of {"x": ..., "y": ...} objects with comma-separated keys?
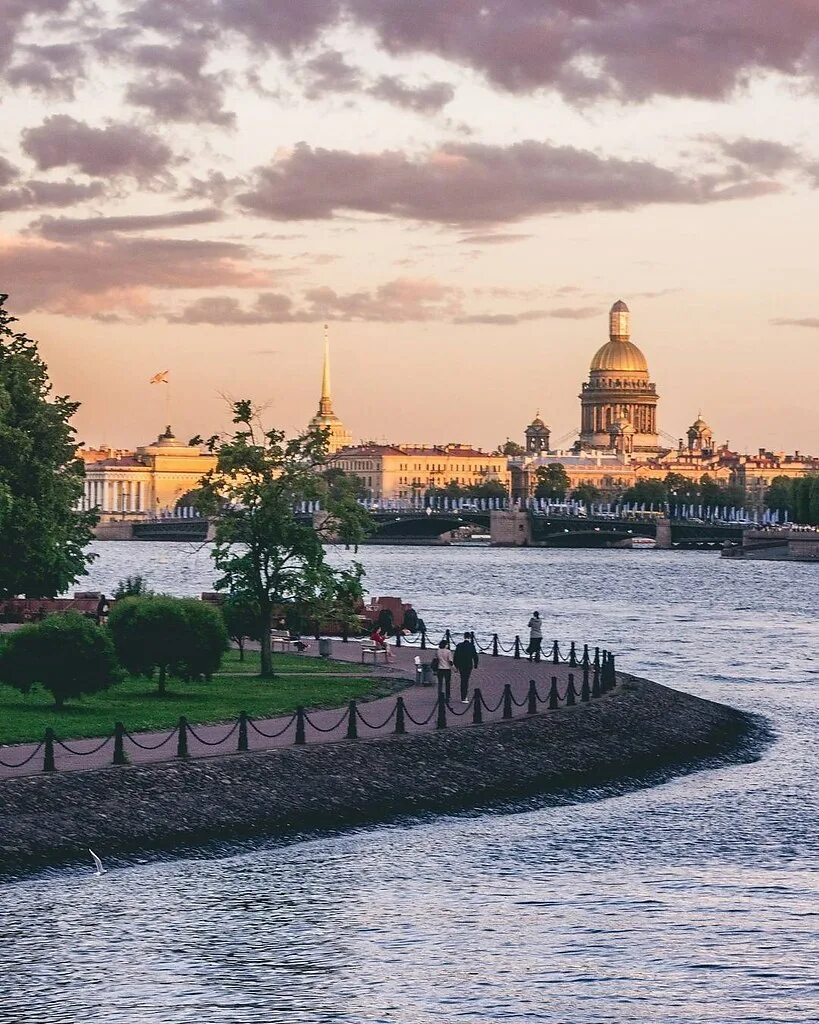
[
  {"x": 535, "y": 636},
  {"x": 465, "y": 659},
  {"x": 443, "y": 656},
  {"x": 379, "y": 641}
]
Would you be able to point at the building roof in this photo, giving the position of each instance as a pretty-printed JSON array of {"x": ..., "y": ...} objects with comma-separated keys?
[
  {"x": 618, "y": 355},
  {"x": 619, "y": 307}
]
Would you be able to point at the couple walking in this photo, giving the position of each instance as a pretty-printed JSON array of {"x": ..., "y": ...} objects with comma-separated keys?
[{"x": 464, "y": 658}]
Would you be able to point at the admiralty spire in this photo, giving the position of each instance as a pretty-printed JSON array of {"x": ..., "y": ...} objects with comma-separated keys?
[
  {"x": 325, "y": 418},
  {"x": 618, "y": 405}
]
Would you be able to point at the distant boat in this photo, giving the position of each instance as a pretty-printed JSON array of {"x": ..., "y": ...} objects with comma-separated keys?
[{"x": 643, "y": 543}]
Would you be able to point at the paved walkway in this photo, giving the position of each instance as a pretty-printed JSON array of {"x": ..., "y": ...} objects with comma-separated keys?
[{"x": 376, "y": 717}]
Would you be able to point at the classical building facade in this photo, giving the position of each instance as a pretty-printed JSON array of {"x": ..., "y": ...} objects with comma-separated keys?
[
  {"x": 537, "y": 437},
  {"x": 392, "y": 472},
  {"x": 618, "y": 404},
  {"x": 149, "y": 480},
  {"x": 325, "y": 418}
]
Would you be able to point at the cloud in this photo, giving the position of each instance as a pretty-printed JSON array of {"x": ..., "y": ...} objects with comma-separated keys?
[
  {"x": 174, "y": 98},
  {"x": 424, "y": 99},
  {"x": 762, "y": 155},
  {"x": 464, "y": 183},
  {"x": 510, "y": 319},
  {"x": 101, "y": 275},
  {"x": 117, "y": 149},
  {"x": 8, "y": 172},
  {"x": 60, "y": 228},
  {"x": 329, "y": 72},
  {"x": 33, "y": 194},
  {"x": 807, "y": 321},
  {"x": 19, "y": 14},
  {"x": 52, "y": 70},
  {"x": 493, "y": 238}
]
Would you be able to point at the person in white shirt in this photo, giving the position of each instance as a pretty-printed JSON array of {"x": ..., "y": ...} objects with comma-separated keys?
[
  {"x": 443, "y": 656},
  {"x": 535, "y": 636}
]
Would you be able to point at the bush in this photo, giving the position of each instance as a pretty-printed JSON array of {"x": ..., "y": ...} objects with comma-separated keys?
[
  {"x": 68, "y": 655},
  {"x": 132, "y": 586},
  {"x": 242, "y": 621},
  {"x": 171, "y": 635}
]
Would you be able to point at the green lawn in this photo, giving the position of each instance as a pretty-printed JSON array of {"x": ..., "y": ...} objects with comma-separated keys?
[{"x": 136, "y": 703}]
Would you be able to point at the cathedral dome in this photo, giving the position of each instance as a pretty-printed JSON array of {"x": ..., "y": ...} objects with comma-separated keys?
[{"x": 619, "y": 355}]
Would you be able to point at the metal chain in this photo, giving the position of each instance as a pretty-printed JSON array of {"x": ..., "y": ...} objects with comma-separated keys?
[
  {"x": 82, "y": 753},
  {"x": 212, "y": 743},
  {"x": 155, "y": 746},
  {"x": 272, "y": 735},
  {"x": 308, "y": 721},
  {"x": 30, "y": 757}
]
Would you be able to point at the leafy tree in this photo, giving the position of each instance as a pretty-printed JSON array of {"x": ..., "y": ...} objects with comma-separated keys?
[
  {"x": 451, "y": 490},
  {"x": 511, "y": 449},
  {"x": 780, "y": 495},
  {"x": 147, "y": 634},
  {"x": 262, "y": 549},
  {"x": 203, "y": 641},
  {"x": 587, "y": 493},
  {"x": 132, "y": 586},
  {"x": 488, "y": 489},
  {"x": 648, "y": 491},
  {"x": 42, "y": 535},
  {"x": 242, "y": 622},
  {"x": 680, "y": 490},
  {"x": 552, "y": 481},
  {"x": 68, "y": 655}
]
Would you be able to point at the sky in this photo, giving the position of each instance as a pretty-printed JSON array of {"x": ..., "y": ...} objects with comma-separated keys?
[{"x": 460, "y": 190}]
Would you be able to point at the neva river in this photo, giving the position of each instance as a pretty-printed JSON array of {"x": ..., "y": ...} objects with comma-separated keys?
[{"x": 692, "y": 901}]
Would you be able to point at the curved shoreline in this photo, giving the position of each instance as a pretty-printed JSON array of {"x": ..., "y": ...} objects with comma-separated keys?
[{"x": 635, "y": 731}]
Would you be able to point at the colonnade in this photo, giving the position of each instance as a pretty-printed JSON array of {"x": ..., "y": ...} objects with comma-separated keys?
[{"x": 115, "y": 495}]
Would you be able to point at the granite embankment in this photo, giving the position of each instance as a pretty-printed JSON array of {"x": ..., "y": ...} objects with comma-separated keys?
[{"x": 635, "y": 731}]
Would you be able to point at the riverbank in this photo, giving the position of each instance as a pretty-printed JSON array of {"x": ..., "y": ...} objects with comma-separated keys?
[{"x": 640, "y": 728}]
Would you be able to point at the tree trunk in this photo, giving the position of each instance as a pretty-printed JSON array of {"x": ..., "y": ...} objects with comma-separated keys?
[
  {"x": 162, "y": 671},
  {"x": 267, "y": 654},
  {"x": 241, "y": 648}
]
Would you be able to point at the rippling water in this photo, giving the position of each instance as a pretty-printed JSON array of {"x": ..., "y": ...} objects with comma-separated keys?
[{"x": 696, "y": 900}]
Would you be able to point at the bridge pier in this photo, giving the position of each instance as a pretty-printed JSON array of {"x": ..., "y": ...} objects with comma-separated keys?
[
  {"x": 510, "y": 529},
  {"x": 664, "y": 534}
]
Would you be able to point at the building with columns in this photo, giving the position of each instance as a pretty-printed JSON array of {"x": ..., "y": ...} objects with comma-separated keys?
[
  {"x": 618, "y": 404},
  {"x": 325, "y": 418},
  {"x": 148, "y": 481}
]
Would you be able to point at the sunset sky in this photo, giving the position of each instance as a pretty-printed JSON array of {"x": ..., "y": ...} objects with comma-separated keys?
[{"x": 459, "y": 188}]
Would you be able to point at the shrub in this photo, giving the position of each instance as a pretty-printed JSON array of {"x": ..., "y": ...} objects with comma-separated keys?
[
  {"x": 203, "y": 642},
  {"x": 242, "y": 621},
  {"x": 132, "y": 586},
  {"x": 68, "y": 655},
  {"x": 147, "y": 633}
]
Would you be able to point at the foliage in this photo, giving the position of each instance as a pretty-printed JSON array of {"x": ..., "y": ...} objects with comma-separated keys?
[
  {"x": 42, "y": 536},
  {"x": 147, "y": 632},
  {"x": 587, "y": 493},
  {"x": 203, "y": 642},
  {"x": 798, "y": 496},
  {"x": 264, "y": 551},
  {"x": 511, "y": 449},
  {"x": 68, "y": 655},
  {"x": 242, "y": 621},
  {"x": 647, "y": 491},
  {"x": 485, "y": 489},
  {"x": 132, "y": 586},
  {"x": 552, "y": 481},
  {"x": 676, "y": 489}
]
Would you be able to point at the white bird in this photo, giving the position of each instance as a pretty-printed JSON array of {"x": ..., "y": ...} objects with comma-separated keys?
[{"x": 97, "y": 864}]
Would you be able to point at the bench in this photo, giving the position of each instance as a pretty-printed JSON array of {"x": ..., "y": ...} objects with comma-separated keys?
[
  {"x": 285, "y": 643},
  {"x": 374, "y": 652}
]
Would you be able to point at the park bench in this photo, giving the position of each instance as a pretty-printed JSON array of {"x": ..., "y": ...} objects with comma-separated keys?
[
  {"x": 373, "y": 652},
  {"x": 284, "y": 642}
]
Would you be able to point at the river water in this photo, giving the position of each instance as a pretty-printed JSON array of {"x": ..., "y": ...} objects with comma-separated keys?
[{"x": 696, "y": 900}]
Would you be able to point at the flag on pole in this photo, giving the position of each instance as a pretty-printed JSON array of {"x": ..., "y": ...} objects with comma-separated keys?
[{"x": 160, "y": 378}]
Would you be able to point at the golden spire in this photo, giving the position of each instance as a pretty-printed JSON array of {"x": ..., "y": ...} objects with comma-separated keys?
[{"x": 326, "y": 403}]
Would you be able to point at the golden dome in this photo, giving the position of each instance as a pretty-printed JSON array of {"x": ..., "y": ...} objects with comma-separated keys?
[{"x": 617, "y": 355}]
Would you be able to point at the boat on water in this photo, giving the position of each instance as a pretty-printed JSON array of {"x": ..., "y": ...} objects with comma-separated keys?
[{"x": 643, "y": 543}]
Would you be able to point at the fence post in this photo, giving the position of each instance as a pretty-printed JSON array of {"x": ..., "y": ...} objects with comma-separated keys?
[
  {"x": 477, "y": 706},
  {"x": 573, "y": 655},
  {"x": 554, "y": 697},
  {"x": 448, "y": 637},
  {"x": 555, "y": 653},
  {"x": 400, "y": 727},
  {"x": 182, "y": 739},
  {"x": 495, "y": 645},
  {"x": 570, "y": 692},
  {"x": 612, "y": 672},
  {"x": 441, "y": 720},
  {"x": 119, "y": 743},
  {"x": 597, "y": 657},
  {"x": 423, "y": 639},
  {"x": 596, "y": 690},
  {"x": 300, "y": 737},
  {"x": 586, "y": 659},
  {"x": 507, "y": 701},
  {"x": 517, "y": 647},
  {"x": 397, "y": 636},
  {"x": 48, "y": 755},
  {"x": 242, "y": 745},
  {"x": 352, "y": 721},
  {"x": 531, "y": 707},
  {"x": 585, "y": 693}
]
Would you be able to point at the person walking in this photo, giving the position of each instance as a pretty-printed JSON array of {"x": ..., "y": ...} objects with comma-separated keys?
[
  {"x": 535, "y": 636},
  {"x": 465, "y": 659},
  {"x": 443, "y": 656}
]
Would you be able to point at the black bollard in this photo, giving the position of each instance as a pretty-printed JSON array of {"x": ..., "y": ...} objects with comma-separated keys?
[
  {"x": 586, "y": 659},
  {"x": 517, "y": 647},
  {"x": 585, "y": 692},
  {"x": 531, "y": 697},
  {"x": 119, "y": 743},
  {"x": 573, "y": 655},
  {"x": 507, "y": 701},
  {"x": 555, "y": 653},
  {"x": 400, "y": 726},
  {"x": 397, "y": 637},
  {"x": 300, "y": 737},
  {"x": 48, "y": 754},
  {"x": 612, "y": 672},
  {"x": 477, "y": 706},
  {"x": 554, "y": 696},
  {"x": 596, "y": 690},
  {"x": 448, "y": 637},
  {"x": 242, "y": 745},
  {"x": 352, "y": 722},
  {"x": 182, "y": 738},
  {"x": 441, "y": 720},
  {"x": 495, "y": 651},
  {"x": 345, "y": 634},
  {"x": 423, "y": 639},
  {"x": 570, "y": 691},
  {"x": 597, "y": 657}
]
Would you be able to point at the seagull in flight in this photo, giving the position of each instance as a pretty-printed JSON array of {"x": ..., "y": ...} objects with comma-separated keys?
[{"x": 97, "y": 864}]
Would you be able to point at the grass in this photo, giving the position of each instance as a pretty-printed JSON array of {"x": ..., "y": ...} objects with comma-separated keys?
[{"x": 136, "y": 703}]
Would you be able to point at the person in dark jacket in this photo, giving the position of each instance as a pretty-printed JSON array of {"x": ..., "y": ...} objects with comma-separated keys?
[{"x": 465, "y": 660}]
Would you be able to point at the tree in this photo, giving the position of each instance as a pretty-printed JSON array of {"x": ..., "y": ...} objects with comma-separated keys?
[
  {"x": 552, "y": 481},
  {"x": 511, "y": 449},
  {"x": 779, "y": 495},
  {"x": 264, "y": 551},
  {"x": 147, "y": 634},
  {"x": 648, "y": 492},
  {"x": 587, "y": 493},
  {"x": 132, "y": 586},
  {"x": 42, "y": 535},
  {"x": 242, "y": 622},
  {"x": 68, "y": 655},
  {"x": 203, "y": 642},
  {"x": 488, "y": 489},
  {"x": 680, "y": 490}
]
